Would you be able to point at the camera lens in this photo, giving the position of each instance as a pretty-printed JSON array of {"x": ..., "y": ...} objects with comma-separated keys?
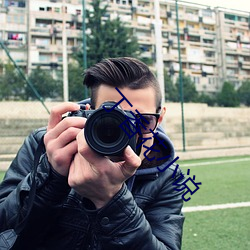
[
  {"x": 107, "y": 129},
  {"x": 104, "y": 133}
]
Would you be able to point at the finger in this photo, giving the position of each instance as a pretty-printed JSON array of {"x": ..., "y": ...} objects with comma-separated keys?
[
  {"x": 58, "y": 111},
  {"x": 65, "y": 124},
  {"x": 61, "y": 163},
  {"x": 62, "y": 140},
  {"x": 132, "y": 162},
  {"x": 83, "y": 148}
]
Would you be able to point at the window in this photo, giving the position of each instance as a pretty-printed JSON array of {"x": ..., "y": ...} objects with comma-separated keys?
[
  {"x": 207, "y": 13},
  {"x": 196, "y": 79}
]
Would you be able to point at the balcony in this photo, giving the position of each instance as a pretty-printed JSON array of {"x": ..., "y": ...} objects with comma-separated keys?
[
  {"x": 210, "y": 60},
  {"x": 208, "y": 34},
  {"x": 15, "y": 27},
  {"x": 144, "y": 10},
  {"x": 122, "y": 9},
  {"x": 73, "y": 33},
  {"x": 181, "y": 15},
  {"x": 242, "y": 25},
  {"x": 192, "y": 17},
  {"x": 49, "y": 15},
  {"x": 232, "y": 64},
  {"x": 193, "y": 31},
  {"x": 208, "y": 20},
  {"x": 147, "y": 40},
  {"x": 15, "y": 44},
  {"x": 170, "y": 57},
  {"x": 229, "y": 37},
  {"x": 40, "y": 31},
  {"x": 141, "y": 26},
  {"x": 245, "y": 65},
  {"x": 147, "y": 54},
  {"x": 208, "y": 46}
]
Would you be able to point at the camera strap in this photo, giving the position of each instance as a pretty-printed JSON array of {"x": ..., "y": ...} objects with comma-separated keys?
[{"x": 9, "y": 237}]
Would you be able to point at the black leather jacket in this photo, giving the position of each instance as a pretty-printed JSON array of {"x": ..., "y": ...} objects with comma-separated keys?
[{"x": 144, "y": 215}]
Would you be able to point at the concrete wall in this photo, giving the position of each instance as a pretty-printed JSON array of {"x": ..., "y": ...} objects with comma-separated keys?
[
  {"x": 205, "y": 127},
  {"x": 208, "y": 127}
]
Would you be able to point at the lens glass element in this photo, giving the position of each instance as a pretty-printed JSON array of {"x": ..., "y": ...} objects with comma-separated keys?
[{"x": 107, "y": 129}]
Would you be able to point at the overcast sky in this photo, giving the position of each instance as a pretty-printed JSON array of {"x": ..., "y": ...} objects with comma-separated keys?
[{"x": 243, "y": 5}]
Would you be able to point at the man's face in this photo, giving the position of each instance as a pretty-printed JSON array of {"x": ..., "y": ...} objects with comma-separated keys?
[{"x": 142, "y": 100}]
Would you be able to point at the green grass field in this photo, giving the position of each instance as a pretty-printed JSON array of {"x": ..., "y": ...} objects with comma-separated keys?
[
  {"x": 222, "y": 183},
  {"x": 1, "y": 175}
]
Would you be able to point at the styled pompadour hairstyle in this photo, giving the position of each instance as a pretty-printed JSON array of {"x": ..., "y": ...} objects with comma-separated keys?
[{"x": 121, "y": 72}]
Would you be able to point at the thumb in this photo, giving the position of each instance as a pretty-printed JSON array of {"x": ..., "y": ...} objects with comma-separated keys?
[{"x": 132, "y": 162}]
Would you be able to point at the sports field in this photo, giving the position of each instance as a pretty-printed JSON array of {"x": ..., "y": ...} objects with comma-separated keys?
[{"x": 224, "y": 181}]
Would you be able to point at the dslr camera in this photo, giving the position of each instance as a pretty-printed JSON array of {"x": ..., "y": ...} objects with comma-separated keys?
[{"x": 108, "y": 129}]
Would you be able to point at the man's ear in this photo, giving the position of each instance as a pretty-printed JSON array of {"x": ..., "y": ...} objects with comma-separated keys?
[{"x": 163, "y": 112}]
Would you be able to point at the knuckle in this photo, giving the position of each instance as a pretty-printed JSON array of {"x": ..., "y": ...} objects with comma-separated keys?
[
  {"x": 71, "y": 181},
  {"x": 49, "y": 146},
  {"x": 67, "y": 122},
  {"x": 83, "y": 149},
  {"x": 53, "y": 111},
  {"x": 58, "y": 157},
  {"x": 72, "y": 132}
]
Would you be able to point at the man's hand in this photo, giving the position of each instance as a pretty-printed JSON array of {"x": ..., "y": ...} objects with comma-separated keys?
[
  {"x": 60, "y": 139},
  {"x": 98, "y": 178}
]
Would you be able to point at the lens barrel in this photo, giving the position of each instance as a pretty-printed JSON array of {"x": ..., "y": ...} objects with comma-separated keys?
[{"x": 108, "y": 132}]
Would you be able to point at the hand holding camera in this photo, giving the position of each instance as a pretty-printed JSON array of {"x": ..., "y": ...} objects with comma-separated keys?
[
  {"x": 78, "y": 147},
  {"x": 60, "y": 139}
]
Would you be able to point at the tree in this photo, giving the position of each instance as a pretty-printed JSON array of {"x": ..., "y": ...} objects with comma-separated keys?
[
  {"x": 210, "y": 100},
  {"x": 11, "y": 84},
  {"x": 244, "y": 93},
  {"x": 107, "y": 38},
  {"x": 45, "y": 85},
  {"x": 171, "y": 92},
  {"x": 190, "y": 93},
  {"x": 76, "y": 88},
  {"x": 228, "y": 96}
]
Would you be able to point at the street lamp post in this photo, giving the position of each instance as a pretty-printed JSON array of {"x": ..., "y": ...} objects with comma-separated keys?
[
  {"x": 180, "y": 77},
  {"x": 65, "y": 55},
  {"x": 158, "y": 49},
  {"x": 84, "y": 38}
]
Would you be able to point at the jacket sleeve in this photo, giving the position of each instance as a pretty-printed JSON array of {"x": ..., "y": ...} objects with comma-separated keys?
[
  {"x": 122, "y": 224},
  {"x": 16, "y": 186}
]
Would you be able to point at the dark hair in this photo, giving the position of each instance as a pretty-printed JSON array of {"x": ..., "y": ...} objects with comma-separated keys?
[{"x": 121, "y": 72}]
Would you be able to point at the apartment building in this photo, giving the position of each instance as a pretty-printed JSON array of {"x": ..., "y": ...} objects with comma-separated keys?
[
  {"x": 233, "y": 38},
  {"x": 214, "y": 43}
]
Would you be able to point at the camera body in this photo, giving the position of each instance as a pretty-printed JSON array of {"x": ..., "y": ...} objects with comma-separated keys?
[{"x": 108, "y": 129}]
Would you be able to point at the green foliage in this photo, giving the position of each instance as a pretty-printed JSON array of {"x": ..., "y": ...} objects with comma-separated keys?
[
  {"x": 171, "y": 92},
  {"x": 45, "y": 85},
  {"x": 244, "y": 93},
  {"x": 210, "y": 100},
  {"x": 228, "y": 96},
  {"x": 109, "y": 38},
  {"x": 76, "y": 89},
  {"x": 11, "y": 84},
  {"x": 190, "y": 93}
]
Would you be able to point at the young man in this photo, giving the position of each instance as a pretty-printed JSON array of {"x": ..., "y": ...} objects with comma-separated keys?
[{"x": 84, "y": 200}]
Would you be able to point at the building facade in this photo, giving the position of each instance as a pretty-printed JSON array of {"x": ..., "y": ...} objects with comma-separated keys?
[{"x": 214, "y": 42}]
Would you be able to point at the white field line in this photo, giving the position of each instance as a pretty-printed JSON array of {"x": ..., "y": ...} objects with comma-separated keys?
[
  {"x": 215, "y": 207},
  {"x": 213, "y": 162}
]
